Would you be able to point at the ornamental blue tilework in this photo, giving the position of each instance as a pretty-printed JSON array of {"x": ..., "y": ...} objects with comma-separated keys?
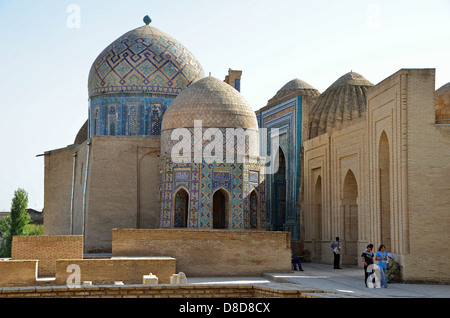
[
  {"x": 282, "y": 194},
  {"x": 122, "y": 114},
  {"x": 144, "y": 60},
  {"x": 201, "y": 181}
]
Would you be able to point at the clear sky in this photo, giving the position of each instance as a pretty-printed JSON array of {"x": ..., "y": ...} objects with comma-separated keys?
[{"x": 47, "y": 48}]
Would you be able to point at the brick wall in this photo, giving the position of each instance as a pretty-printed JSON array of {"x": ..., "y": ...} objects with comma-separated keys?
[
  {"x": 400, "y": 160},
  {"x": 107, "y": 271},
  {"x": 58, "y": 190},
  {"x": 18, "y": 273},
  {"x": 210, "y": 252},
  {"x": 157, "y": 291},
  {"x": 47, "y": 249}
]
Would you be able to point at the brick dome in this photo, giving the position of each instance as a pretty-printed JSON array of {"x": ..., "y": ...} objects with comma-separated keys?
[
  {"x": 442, "y": 104},
  {"x": 343, "y": 101},
  {"x": 291, "y": 89},
  {"x": 212, "y": 101}
]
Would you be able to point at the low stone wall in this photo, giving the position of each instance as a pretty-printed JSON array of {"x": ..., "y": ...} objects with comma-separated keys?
[
  {"x": 47, "y": 249},
  {"x": 156, "y": 291},
  {"x": 129, "y": 270},
  {"x": 18, "y": 272},
  {"x": 209, "y": 252}
]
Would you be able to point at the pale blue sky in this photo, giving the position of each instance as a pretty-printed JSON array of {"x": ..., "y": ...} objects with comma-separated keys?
[{"x": 44, "y": 64}]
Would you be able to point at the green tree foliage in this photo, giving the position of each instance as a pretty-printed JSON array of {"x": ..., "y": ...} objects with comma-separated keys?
[
  {"x": 35, "y": 229},
  {"x": 19, "y": 220}
]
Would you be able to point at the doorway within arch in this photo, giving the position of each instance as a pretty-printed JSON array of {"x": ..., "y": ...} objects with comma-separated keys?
[
  {"x": 253, "y": 202},
  {"x": 181, "y": 208},
  {"x": 279, "y": 217},
  {"x": 350, "y": 214},
  {"x": 385, "y": 191},
  {"x": 220, "y": 207},
  {"x": 317, "y": 219}
]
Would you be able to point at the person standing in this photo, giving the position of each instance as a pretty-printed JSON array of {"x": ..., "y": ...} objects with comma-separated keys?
[
  {"x": 381, "y": 257},
  {"x": 336, "y": 246},
  {"x": 367, "y": 258}
]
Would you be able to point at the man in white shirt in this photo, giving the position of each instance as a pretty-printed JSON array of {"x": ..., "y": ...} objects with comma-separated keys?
[{"x": 337, "y": 253}]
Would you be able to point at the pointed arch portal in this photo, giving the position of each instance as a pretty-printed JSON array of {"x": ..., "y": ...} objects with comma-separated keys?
[
  {"x": 384, "y": 191},
  {"x": 350, "y": 222},
  {"x": 181, "y": 208},
  {"x": 220, "y": 206}
]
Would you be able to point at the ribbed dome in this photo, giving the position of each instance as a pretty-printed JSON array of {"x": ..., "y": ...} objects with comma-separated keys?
[
  {"x": 144, "y": 60},
  {"x": 214, "y": 102},
  {"x": 442, "y": 104},
  {"x": 342, "y": 102},
  {"x": 293, "y": 88}
]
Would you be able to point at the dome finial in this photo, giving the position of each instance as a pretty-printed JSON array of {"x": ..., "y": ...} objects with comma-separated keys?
[{"x": 147, "y": 20}]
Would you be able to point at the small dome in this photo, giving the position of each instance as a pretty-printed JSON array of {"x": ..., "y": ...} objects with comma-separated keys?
[
  {"x": 144, "y": 60},
  {"x": 291, "y": 89},
  {"x": 214, "y": 102},
  {"x": 343, "y": 101},
  {"x": 82, "y": 133},
  {"x": 442, "y": 104}
]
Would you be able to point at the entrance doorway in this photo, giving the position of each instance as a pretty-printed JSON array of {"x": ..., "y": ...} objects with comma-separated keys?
[
  {"x": 385, "y": 191},
  {"x": 350, "y": 214},
  {"x": 253, "y": 201},
  {"x": 280, "y": 193},
  {"x": 220, "y": 208},
  {"x": 181, "y": 208}
]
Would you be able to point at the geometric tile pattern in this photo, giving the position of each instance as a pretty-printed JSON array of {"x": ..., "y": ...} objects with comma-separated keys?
[
  {"x": 120, "y": 114},
  {"x": 282, "y": 195},
  {"x": 205, "y": 179},
  {"x": 144, "y": 60}
]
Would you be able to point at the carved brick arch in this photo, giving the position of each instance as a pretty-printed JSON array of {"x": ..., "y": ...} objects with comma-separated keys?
[
  {"x": 384, "y": 190},
  {"x": 350, "y": 217},
  {"x": 317, "y": 217}
]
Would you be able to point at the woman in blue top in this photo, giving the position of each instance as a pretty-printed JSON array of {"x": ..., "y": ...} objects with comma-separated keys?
[{"x": 381, "y": 257}]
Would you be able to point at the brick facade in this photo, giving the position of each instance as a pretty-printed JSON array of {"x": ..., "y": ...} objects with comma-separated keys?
[
  {"x": 210, "y": 252},
  {"x": 107, "y": 271},
  {"x": 18, "y": 272},
  {"x": 400, "y": 161},
  {"x": 47, "y": 249}
]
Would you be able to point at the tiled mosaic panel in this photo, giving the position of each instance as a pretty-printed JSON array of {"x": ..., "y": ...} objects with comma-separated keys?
[
  {"x": 276, "y": 116},
  {"x": 205, "y": 179},
  {"x": 253, "y": 210},
  {"x": 125, "y": 115},
  {"x": 144, "y": 60}
]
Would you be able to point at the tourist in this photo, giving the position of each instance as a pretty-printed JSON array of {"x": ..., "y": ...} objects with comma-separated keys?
[
  {"x": 392, "y": 267},
  {"x": 367, "y": 258},
  {"x": 296, "y": 263},
  {"x": 337, "y": 253},
  {"x": 381, "y": 257}
]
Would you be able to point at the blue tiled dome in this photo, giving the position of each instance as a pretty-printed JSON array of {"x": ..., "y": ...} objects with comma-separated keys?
[{"x": 144, "y": 60}]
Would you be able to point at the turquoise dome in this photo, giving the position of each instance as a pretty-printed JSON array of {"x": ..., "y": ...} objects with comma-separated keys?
[{"x": 144, "y": 60}]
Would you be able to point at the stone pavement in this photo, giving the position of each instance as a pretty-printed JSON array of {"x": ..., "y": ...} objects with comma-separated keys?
[{"x": 347, "y": 282}]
